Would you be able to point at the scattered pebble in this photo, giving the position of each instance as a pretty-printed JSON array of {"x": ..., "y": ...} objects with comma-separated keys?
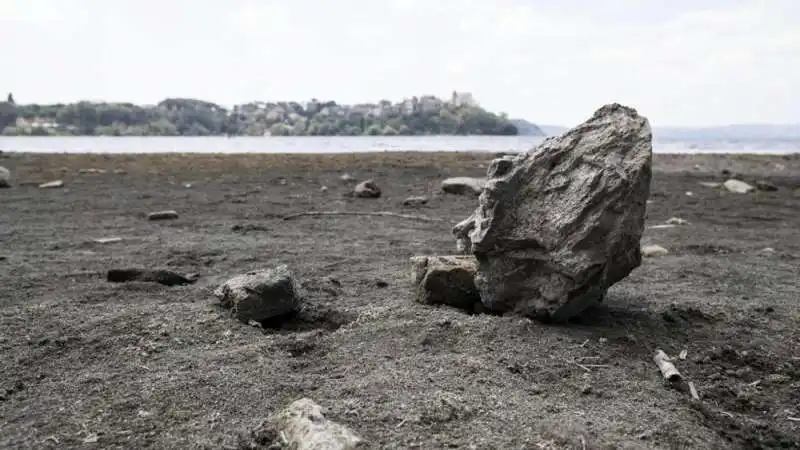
[
  {"x": 91, "y": 170},
  {"x": 52, "y": 184},
  {"x": 110, "y": 240},
  {"x": 162, "y": 215},
  {"x": 661, "y": 226},
  {"x": 367, "y": 189},
  {"x": 649, "y": 251},
  {"x": 346, "y": 177},
  {"x": 677, "y": 221},
  {"x": 710, "y": 184},
  {"x": 323, "y": 189},
  {"x": 415, "y": 201},
  {"x": 766, "y": 186},
  {"x": 690, "y": 193}
]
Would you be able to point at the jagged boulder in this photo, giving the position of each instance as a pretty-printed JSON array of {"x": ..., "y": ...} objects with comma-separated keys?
[{"x": 559, "y": 225}]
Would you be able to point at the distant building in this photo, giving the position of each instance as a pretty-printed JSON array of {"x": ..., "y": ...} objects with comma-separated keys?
[{"x": 463, "y": 99}]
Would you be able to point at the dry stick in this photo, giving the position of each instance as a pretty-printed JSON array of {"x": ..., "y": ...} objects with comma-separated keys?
[
  {"x": 668, "y": 370},
  {"x": 794, "y": 419},
  {"x": 693, "y": 391},
  {"x": 355, "y": 213}
]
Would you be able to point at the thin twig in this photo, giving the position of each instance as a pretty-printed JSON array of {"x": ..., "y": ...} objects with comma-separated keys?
[
  {"x": 693, "y": 391},
  {"x": 356, "y": 213},
  {"x": 581, "y": 366},
  {"x": 794, "y": 419}
]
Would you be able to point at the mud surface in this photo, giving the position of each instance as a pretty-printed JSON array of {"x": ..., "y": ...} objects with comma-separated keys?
[{"x": 93, "y": 364}]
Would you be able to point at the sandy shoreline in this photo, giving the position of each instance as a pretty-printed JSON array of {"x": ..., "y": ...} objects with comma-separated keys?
[{"x": 139, "y": 365}]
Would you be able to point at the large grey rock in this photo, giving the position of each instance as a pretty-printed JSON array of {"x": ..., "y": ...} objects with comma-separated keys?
[
  {"x": 446, "y": 280},
  {"x": 557, "y": 226},
  {"x": 463, "y": 185},
  {"x": 303, "y": 427},
  {"x": 260, "y": 295},
  {"x": 5, "y": 177}
]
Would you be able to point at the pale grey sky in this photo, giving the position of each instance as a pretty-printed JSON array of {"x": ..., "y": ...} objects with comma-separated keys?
[{"x": 679, "y": 62}]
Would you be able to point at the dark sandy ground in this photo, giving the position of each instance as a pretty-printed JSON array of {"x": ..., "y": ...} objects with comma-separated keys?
[{"x": 91, "y": 364}]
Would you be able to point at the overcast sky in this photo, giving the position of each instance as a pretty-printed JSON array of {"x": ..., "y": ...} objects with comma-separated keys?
[{"x": 679, "y": 62}]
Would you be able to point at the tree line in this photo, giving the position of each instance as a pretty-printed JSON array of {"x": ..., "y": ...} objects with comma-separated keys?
[{"x": 425, "y": 115}]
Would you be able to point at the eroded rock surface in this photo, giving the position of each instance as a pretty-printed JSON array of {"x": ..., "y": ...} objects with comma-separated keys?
[{"x": 557, "y": 226}]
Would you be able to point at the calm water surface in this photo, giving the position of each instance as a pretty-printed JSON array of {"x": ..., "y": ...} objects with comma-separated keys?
[{"x": 91, "y": 144}]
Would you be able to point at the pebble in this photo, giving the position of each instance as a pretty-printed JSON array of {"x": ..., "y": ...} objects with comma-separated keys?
[
  {"x": 649, "y": 251},
  {"x": 162, "y": 215},
  {"x": 52, "y": 184}
]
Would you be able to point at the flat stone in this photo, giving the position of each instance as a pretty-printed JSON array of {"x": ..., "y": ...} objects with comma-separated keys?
[
  {"x": 650, "y": 251},
  {"x": 162, "y": 215},
  {"x": 52, "y": 184},
  {"x": 738, "y": 187},
  {"x": 260, "y": 295},
  {"x": 559, "y": 225},
  {"x": 710, "y": 184},
  {"x": 445, "y": 280},
  {"x": 165, "y": 277},
  {"x": 463, "y": 185},
  {"x": 766, "y": 186},
  {"x": 415, "y": 201}
]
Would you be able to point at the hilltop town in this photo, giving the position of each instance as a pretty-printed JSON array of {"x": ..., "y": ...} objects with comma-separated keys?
[{"x": 427, "y": 115}]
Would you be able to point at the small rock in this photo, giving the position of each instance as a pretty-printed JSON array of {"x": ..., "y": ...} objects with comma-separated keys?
[
  {"x": 120, "y": 171},
  {"x": 323, "y": 189},
  {"x": 710, "y": 184},
  {"x": 650, "y": 251},
  {"x": 91, "y": 170},
  {"x": 5, "y": 177},
  {"x": 165, "y": 277},
  {"x": 689, "y": 194},
  {"x": 463, "y": 185},
  {"x": 346, "y": 177},
  {"x": 260, "y": 295},
  {"x": 768, "y": 250},
  {"x": 737, "y": 187},
  {"x": 445, "y": 280},
  {"x": 676, "y": 221},
  {"x": 367, "y": 189},
  {"x": 415, "y": 201},
  {"x": 111, "y": 240},
  {"x": 381, "y": 284},
  {"x": 304, "y": 427},
  {"x": 766, "y": 186},
  {"x": 661, "y": 226},
  {"x": 162, "y": 215},
  {"x": 187, "y": 185},
  {"x": 52, "y": 184}
]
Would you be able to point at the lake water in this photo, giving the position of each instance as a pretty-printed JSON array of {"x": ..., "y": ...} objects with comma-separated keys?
[{"x": 91, "y": 144}]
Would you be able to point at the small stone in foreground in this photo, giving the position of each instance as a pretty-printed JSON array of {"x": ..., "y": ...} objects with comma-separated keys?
[
  {"x": 52, "y": 184},
  {"x": 446, "y": 280},
  {"x": 165, "y": 277},
  {"x": 367, "y": 189},
  {"x": 710, "y": 184},
  {"x": 677, "y": 221},
  {"x": 162, "y": 215},
  {"x": 302, "y": 426},
  {"x": 649, "y": 251},
  {"x": 260, "y": 295},
  {"x": 738, "y": 187},
  {"x": 463, "y": 185}
]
